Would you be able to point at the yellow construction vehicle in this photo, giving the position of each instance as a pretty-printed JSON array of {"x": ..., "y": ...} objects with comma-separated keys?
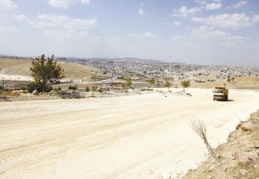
[{"x": 220, "y": 93}]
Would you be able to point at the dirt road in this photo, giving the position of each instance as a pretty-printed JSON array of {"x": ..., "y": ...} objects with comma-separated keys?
[{"x": 135, "y": 136}]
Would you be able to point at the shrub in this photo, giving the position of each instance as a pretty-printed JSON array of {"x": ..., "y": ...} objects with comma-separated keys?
[
  {"x": 185, "y": 84},
  {"x": 87, "y": 89},
  {"x": 94, "y": 88},
  {"x": 57, "y": 89},
  {"x": 128, "y": 81},
  {"x": 1, "y": 88},
  {"x": 39, "y": 86},
  {"x": 72, "y": 87},
  {"x": 152, "y": 81},
  {"x": 168, "y": 82}
]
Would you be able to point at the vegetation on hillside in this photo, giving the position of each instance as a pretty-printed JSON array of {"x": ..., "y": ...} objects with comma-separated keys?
[
  {"x": 128, "y": 82},
  {"x": 185, "y": 84},
  {"x": 168, "y": 82}
]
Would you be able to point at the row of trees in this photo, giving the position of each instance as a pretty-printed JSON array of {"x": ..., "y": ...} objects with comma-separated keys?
[{"x": 169, "y": 83}]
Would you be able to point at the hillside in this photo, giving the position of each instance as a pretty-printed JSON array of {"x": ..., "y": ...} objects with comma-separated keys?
[
  {"x": 22, "y": 67},
  {"x": 82, "y": 70},
  {"x": 238, "y": 83}
]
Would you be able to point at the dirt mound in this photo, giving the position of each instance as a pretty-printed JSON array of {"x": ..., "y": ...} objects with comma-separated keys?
[{"x": 238, "y": 158}]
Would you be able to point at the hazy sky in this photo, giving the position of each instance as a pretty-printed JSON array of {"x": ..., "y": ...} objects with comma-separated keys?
[{"x": 191, "y": 31}]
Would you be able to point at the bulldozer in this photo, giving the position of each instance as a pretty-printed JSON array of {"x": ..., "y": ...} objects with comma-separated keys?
[{"x": 220, "y": 93}]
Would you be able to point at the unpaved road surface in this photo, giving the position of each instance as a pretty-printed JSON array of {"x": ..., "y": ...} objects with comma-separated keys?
[{"x": 135, "y": 136}]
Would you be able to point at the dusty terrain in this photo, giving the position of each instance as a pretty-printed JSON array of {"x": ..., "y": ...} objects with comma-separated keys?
[{"x": 134, "y": 136}]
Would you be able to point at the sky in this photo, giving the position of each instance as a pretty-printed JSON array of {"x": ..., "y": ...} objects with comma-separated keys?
[{"x": 213, "y": 32}]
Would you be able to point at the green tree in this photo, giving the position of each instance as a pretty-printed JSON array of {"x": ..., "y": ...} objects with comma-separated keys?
[
  {"x": 45, "y": 72},
  {"x": 185, "y": 84},
  {"x": 128, "y": 81},
  {"x": 168, "y": 82}
]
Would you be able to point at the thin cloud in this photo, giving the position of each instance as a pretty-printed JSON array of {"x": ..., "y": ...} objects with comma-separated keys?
[
  {"x": 67, "y": 3},
  {"x": 201, "y": 2},
  {"x": 256, "y": 18},
  {"x": 213, "y": 6},
  {"x": 185, "y": 12},
  {"x": 216, "y": 4},
  {"x": 174, "y": 23},
  {"x": 9, "y": 11},
  {"x": 68, "y": 34},
  {"x": 8, "y": 30},
  {"x": 148, "y": 34},
  {"x": 64, "y": 22},
  {"x": 205, "y": 35},
  {"x": 64, "y": 27},
  {"x": 231, "y": 21},
  {"x": 20, "y": 17},
  {"x": 209, "y": 33},
  {"x": 8, "y": 4},
  {"x": 7, "y": 7},
  {"x": 141, "y": 12},
  {"x": 144, "y": 35},
  {"x": 237, "y": 5}
]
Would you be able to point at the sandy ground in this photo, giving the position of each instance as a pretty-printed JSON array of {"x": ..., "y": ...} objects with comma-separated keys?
[
  {"x": 15, "y": 77},
  {"x": 136, "y": 136}
]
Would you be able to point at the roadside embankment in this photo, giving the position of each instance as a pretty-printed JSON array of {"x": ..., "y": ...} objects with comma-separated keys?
[{"x": 238, "y": 158}]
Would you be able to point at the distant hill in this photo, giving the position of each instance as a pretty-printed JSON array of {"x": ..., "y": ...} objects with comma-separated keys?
[{"x": 132, "y": 59}]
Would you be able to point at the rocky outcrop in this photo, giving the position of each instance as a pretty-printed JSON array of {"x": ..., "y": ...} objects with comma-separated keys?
[
  {"x": 246, "y": 158},
  {"x": 247, "y": 126},
  {"x": 35, "y": 92}
]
